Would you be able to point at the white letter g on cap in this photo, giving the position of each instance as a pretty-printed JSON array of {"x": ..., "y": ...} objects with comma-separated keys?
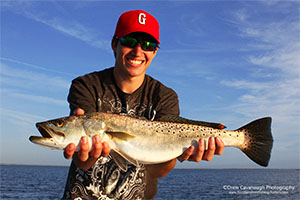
[{"x": 142, "y": 18}]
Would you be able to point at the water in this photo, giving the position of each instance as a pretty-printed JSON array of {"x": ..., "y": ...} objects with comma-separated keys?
[
  {"x": 230, "y": 184},
  {"x": 32, "y": 182},
  {"x": 37, "y": 182}
]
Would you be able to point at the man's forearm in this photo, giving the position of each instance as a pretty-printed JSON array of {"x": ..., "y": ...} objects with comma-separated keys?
[{"x": 160, "y": 170}]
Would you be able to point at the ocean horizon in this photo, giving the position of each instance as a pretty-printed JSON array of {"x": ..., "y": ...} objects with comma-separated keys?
[{"x": 185, "y": 168}]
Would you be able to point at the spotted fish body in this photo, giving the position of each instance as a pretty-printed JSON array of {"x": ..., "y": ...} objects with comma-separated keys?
[{"x": 151, "y": 142}]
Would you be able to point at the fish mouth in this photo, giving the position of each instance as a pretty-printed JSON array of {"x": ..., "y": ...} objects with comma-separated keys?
[{"x": 47, "y": 132}]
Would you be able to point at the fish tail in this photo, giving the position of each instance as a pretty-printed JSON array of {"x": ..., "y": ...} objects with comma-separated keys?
[{"x": 260, "y": 143}]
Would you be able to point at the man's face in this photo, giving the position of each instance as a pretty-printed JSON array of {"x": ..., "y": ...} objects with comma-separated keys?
[{"x": 133, "y": 62}]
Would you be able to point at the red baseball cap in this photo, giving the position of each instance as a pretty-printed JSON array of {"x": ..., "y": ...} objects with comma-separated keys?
[{"x": 137, "y": 21}]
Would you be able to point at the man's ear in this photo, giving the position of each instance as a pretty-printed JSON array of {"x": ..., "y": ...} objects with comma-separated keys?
[
  {"x": 114, "y": 43},
  {"x": 155, "y": 52}
]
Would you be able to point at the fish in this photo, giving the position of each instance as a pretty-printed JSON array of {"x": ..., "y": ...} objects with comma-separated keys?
[{"x": 140, "y": 141}]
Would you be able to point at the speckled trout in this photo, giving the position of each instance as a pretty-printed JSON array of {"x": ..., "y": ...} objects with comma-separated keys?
[{"x": 149, "y": 142}]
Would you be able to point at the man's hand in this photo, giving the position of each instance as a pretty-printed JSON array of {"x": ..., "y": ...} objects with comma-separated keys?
[
  {"x": 215, "y": 147},
  {"x": 84, "y": 159}
]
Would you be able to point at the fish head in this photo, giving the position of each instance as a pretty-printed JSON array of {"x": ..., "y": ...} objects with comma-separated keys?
[
  {"x": 58, "y": 133},
  {"x": 60, "y": 128}
]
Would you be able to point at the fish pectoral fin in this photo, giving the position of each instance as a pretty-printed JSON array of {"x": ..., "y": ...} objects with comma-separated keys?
[
  {"x": 119, "y": 136},
  {"x": 121, "y": 159}
]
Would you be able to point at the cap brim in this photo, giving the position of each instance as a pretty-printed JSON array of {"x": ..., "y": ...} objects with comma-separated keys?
[{"x": 127, "y": 32}]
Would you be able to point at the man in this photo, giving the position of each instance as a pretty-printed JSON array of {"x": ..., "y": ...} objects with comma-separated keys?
[{"x": 124, "y": 88}]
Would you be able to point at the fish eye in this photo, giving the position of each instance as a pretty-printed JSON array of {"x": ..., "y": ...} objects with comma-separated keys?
[{"x": 59, "y": 124}]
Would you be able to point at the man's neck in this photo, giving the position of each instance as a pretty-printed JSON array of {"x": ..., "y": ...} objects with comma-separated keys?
[{"x": 128, "y": 84}]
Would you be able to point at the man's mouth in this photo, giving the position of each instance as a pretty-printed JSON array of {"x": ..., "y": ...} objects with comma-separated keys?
[{"x": 135, "y": 62}]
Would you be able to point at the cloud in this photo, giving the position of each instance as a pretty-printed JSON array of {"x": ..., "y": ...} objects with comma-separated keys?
[
  {"x": 65, "y": 24},
  {"x": 29, "y": 79},
  {"x": 20, "y": 118},
  {"x": 193, "y": 24},
  {"x": 18, "y": 85},
  {"x": 16, "y": 4},
  {"x": 278, "y": 98},
  {"x": 241, "y": 15},
  {"x": 35, "y": 66},
  {"x": 281, "y": 37},
  {"x": 286, "y": 59},
  {"x": 32, "y": 98},
  {"x": 274, "y": 89},
  {"x": 73, "y": 29}
]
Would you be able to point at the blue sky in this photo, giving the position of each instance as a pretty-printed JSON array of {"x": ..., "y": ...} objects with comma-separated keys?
[{"x": 229, "y": 62}]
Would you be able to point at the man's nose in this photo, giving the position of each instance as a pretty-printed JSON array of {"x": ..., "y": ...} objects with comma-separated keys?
[{"x": 137, "y": 50}]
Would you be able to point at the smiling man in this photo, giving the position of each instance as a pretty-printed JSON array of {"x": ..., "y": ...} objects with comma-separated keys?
[
  {"x": 132, "y": 60},
  {"x": 124, "y": 88}
]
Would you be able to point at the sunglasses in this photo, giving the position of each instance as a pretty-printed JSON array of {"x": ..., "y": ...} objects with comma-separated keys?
[{"x": 131, "y": 42}]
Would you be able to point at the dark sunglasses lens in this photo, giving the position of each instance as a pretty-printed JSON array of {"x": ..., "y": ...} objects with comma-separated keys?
[
  {"x": 148, "y": 46},
  {"x": 132, "y": 42},
  {"x": 128, "y": 41}
]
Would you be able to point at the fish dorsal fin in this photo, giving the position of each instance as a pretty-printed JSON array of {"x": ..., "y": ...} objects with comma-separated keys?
[
  {"x": 119, "y": 136},
  {"x": 178, "y": 119},
  {"x": 122, "y": 159}
]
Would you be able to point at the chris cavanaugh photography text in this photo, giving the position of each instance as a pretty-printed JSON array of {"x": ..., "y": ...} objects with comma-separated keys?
[{"x": 259, "y": 189}]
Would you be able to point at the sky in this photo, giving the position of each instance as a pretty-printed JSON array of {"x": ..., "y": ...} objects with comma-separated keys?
[{"x": 229, "y": 61}]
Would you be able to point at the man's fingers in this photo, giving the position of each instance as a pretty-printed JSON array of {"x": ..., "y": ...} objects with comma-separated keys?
[
  {"x": 97, "y": 147},
  {"x": 186, "y": 154},
  {"x": 208, "y": 155},
  {"x": 220, "y": 146},
  {"x": 83, "y": 154},
  {"x": 69, "y": 151},
  {"x": 105, "y": 149},
  {"x": 215, "y": 147},
  {"x": 79, "y": 111},
  {"x": 197, "y": 156}
]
